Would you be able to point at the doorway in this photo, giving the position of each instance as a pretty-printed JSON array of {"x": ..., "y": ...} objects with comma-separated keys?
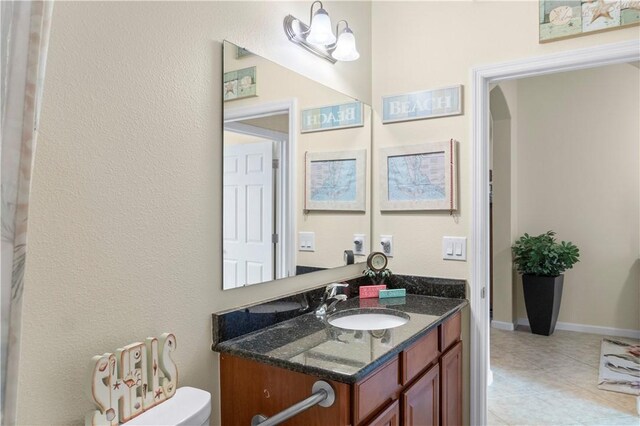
[
  {"x": 249, "y": 210},
  {"x": 258, "y": 194},
  {"x": 565, "y": 171},
  {"x": 482, "y": 77}
]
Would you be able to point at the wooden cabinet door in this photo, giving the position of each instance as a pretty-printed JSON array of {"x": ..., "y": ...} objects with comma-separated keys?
[
  {"x": 376, "y": 391},
  {"x": 421, "y": 401},
  {"x": 389, "y": 417},
  {"x": 250, "y": 387},
  {"x": 451, "y": 386}
]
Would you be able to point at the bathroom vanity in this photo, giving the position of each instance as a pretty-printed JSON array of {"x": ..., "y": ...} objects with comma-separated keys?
[{"x": 410, "y": 374}]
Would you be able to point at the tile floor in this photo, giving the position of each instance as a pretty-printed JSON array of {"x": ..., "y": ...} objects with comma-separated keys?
[{"x": 551, "y": 380}]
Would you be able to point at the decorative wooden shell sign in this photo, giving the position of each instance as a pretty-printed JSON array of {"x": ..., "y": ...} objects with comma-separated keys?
[{"x": 131, "y": 381}]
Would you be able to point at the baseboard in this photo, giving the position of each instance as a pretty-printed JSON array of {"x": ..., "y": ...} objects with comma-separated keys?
[
  {"x": 502, "y": 325},
  {"x": 593, "y": 329}
]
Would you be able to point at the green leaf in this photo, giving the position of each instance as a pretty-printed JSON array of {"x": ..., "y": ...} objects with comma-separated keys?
[{"x": 542, "y": 255}]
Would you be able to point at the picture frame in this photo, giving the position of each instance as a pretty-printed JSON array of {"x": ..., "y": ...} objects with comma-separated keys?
[
  {"x": 562, "y": 19},
  {"x": 419, "y": 177},
  {"x": 335, "y": 181},
  {"x": 239, "y": 84}
]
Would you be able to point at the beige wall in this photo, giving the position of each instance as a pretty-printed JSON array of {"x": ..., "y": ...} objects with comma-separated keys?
[
  {"x": 503, "y": 149},
  {"x": 554, "y": 140},
  {"x": 125, "y": 213},
  {"x": 438, "y": 44},
  {"x": 578, "y": 172},
  {"x": 422, "y": 45}
]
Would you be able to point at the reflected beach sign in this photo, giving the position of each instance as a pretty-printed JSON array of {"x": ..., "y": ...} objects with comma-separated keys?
[{"x": 332, "y": 117}]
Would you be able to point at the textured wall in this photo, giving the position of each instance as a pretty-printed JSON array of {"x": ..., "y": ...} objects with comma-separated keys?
[
  {"x": 126, "y": 204},
  {"x": 125, "y": 214}
]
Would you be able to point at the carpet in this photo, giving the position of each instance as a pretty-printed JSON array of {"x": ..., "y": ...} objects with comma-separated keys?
[{"x": 619, "y": 367}]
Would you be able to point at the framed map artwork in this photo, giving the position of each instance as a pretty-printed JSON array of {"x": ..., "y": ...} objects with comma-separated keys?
[
  {"x": 419, "y": 177},
  {"x": 335, "y": 180},
  {"x": 559, "y": 19}
]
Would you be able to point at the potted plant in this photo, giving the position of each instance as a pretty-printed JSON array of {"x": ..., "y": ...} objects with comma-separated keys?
[{"x": 541, "y": 261}]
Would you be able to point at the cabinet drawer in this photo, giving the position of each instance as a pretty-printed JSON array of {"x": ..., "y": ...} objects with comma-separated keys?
[
  {"x": 419, "y": 356},
  {"x": 450, "y": 331},
  {"x": 375, "y": 391}
]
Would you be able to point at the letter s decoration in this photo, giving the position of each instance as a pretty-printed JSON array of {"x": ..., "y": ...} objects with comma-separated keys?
[
  {"x": 167, "y": 364},
  {"x": 103, "y": 377}
]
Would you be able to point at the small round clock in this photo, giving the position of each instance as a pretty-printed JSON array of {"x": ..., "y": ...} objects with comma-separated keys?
[{"x": 377, "y": 261}]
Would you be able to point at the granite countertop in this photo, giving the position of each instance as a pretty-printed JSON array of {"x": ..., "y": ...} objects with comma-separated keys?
[{"x": 311, "y": 345}]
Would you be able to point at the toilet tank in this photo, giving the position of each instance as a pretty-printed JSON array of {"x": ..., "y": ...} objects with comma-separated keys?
[{"x": 189, "y": 406}]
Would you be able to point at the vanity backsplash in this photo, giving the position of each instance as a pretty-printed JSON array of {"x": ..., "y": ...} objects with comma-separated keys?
[{"x": 245, "y": 320}]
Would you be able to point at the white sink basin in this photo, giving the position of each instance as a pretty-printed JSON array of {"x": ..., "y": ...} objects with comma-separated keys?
[{"x": 357, "y": 319}]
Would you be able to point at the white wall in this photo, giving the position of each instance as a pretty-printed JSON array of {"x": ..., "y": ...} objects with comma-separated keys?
[
  {"x": 124, "y": 236},
  {"x": 578, "y": 171}
]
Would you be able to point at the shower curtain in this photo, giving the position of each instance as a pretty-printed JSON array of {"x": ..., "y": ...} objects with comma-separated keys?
[{"x": 25, "y": 35}]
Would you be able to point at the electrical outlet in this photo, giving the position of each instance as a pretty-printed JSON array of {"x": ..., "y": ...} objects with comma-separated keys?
[
  {"x": 386, "y": 245},
  {"x": 306, "y": 241},
  {"x": 358, "y": 244}
]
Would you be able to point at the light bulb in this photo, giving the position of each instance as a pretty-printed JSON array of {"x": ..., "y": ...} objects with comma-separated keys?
[
  {"x": 346, "y": 48},
  {"x": 321, "y": 33}
]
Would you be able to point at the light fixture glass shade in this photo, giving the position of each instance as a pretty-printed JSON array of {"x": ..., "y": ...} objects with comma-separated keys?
[
  {"x": 346, "y": 48},
  {"x": 321, "y": 33}
]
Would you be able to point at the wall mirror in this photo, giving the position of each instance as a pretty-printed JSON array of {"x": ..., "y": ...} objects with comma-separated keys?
[{"x": 296, "y": 172}]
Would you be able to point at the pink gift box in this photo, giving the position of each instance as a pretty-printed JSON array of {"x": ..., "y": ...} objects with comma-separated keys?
[{"x": 371, "y": 291}]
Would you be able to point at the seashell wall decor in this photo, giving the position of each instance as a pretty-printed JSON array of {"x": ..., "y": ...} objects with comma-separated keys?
[{"x": 136, "y": 378}]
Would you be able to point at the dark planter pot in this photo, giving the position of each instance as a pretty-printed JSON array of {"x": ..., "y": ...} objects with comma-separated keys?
[{"x": 542, "y": 298}]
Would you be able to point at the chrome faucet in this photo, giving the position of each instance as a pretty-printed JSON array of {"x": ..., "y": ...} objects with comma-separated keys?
[{"x": 330, "y": 299}]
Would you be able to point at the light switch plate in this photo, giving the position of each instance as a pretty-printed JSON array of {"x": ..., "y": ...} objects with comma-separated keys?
[
  {"x": 306, "y": 241},
  {"x": 359, "y": 244},
  {"x": 454, "y": 248}
]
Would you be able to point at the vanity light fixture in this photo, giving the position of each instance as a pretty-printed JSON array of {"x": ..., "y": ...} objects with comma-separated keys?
[{"x": 318, "y": 37}]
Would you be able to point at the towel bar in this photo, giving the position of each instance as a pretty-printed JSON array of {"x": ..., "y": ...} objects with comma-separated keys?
[{"x": 322, "y": 394}]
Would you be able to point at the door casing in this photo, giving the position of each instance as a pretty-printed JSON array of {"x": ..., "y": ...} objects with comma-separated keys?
[{"x": 481, "y": 78}]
